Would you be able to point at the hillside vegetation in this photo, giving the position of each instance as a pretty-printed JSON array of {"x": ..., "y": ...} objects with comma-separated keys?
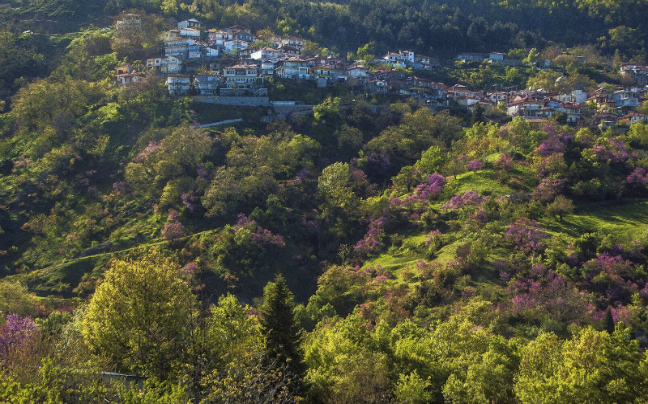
[{"x": 375, "y": 250}]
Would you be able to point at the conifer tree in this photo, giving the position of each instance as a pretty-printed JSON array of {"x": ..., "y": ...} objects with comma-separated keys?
[{"x": 281, "y": 331}]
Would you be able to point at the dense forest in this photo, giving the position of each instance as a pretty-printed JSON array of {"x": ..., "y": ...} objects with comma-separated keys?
[{"x": 373, "y": 251}]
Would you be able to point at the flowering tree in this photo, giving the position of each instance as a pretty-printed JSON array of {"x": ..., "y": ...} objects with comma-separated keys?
[
  {"x": 547, "y": 190},
  {"x": 612, "y": 277},
  {"x": 430, "y": 188},
  {"x": 174, "y": 230},
  {"x": 638, "y": 177},
  {"x": 505, "y": 162},
  {"x": 374, "y": 236},
  {"x": 468, "y": 198},
  {"x": 15, "y": 334},
  {"x": 526, "y": 235},
  {"x": 474, "y": 165}
]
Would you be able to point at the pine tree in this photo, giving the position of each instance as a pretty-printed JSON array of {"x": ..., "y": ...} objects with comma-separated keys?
[{"x": 281, "y": 331}]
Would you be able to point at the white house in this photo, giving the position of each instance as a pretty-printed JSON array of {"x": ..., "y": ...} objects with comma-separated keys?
[
  {"x": 242, "y": 77},
  {"x": 206, "y": 84},
  {"x": 292, "y": 68},
  {"x": 167, "y": 64},
  {"x": 211, "y": 51},
  {"x": 178, "y": 84},
  {"x": 267, "y": 68},
  {"x": 356, "y": 71},
  {"x": 218, "y": 37},
  {"x": 190, "y": 33},
  {"x": 402, "y": 58},
  {"x": 293, "y": 41},
  {"x": 190, "y": 23},
  {"x": 235, "y": 45},
  {"x": 526, "y": 107},
  {"x": 265, "y": 53}
]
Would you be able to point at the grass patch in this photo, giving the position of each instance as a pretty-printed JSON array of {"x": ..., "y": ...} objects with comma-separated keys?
[
  {"x": 484, "y": 182},
  {"x": 626, "y": 220}
]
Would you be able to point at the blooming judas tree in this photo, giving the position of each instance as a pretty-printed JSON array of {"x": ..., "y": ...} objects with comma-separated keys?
[
  {"x": 468, "y": 198},
  {"x": 638, "y": 177},
  {"x": 15, "y": 334},
  {"x": 548, "y": 189},
  {"x": 374, "y": 236},
  {"x": 505, "y": 162},
  {"x": 259, "y": 235},
  {"x": 430, "y": 188},
  {"x": 174, "y": 230},
  {"x": 526, "y": 235},
  {"x": 613, "y": 277},
  {"x": 474, "y": 165}
]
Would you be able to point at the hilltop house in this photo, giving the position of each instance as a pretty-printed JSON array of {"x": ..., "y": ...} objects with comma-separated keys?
[
  {"x": 167, "y": 64},
  {"x": 356, "y": 71},
  {"x": 292, "y": 68},
  {"x": 265, "y": 53},
  {"x": 127, "y": 74},
  {"x": 178, "y": 84},
  {"x": 190, "y": 23},
  {"x": 292, "y": 41},
  {"x": 466, "y": 57},
  {"x": 399, "y": 59},
  {"x": 242, "y": 77},
  {"x": 206, "y": 84}
]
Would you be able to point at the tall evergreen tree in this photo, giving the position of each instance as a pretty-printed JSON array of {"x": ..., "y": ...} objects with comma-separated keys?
[
  {"x": 477, "y": 114},
  {"x": 281, "y": 331}
]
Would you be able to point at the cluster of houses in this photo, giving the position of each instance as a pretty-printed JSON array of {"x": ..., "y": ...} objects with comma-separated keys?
[
  {"x": 606, "y": 106},
  {"x": 237, "y": 67},
  {"x": 232, "y": 65},
  {"x": 638, "y": 73}
]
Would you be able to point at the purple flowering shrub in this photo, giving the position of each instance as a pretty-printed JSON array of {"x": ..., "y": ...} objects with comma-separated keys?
[
  {"x": 612, "y": 150},
  {"x": 190, "y": 201},
  {"x": 16, "y": 334},
  {"x": 549, "y": 146},
  {"x": 543, "y": 294},
  {"x": 431, "y": 188},
  {"x": 548, "y": 189},
  {"x": 374, "y": 237},
  {"x": 638, "y": 177},
  {"x": 612, "y": 277},
  {"x": 505, "y": 162},
  {"x": 174, "y": 230},
  {"x": 474, "y": 165},
  {"x": 428, "y": 190},
  {"x": 526, "y": 235},
  {"x": 413, "y": 209},
  {"x": 468, "y": 198},
  {"x": 259, "y": 235},
  {"x": 120, "y": 187}
]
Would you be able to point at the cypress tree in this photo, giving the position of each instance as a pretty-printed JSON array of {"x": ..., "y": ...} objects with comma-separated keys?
[
  {"x": 608, "y": 321},
  {"x": 281, "y": 331}
]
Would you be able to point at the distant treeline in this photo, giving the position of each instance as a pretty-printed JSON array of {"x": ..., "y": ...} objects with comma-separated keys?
[{"x": 426, "y": 26}]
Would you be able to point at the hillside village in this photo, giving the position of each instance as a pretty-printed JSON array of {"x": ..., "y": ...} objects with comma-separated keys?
[
  {"x": 323, "y": 202},
  {"x": 215, "y": 65}
]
